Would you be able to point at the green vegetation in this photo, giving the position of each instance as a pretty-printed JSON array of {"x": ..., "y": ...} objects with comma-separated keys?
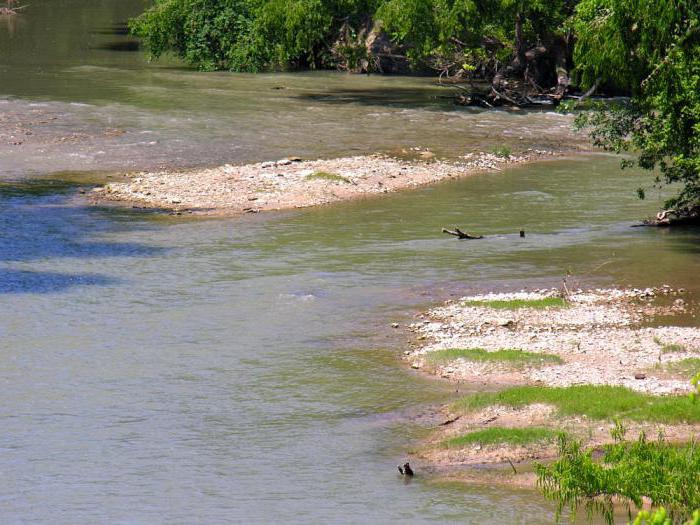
[
  {"x": 511, "y": 356},
  {"x": 503, "y": 435},
  {"x": 630, "y": 472},
  {"x": 502, "y": 151},
  {"x": 466, "y": 37},
  {"x": 595, "y": 402},
  {"x": 650, "y": 49},
  {"x": 687, "y": 367},
  {"x": 323, "y": 175},
  {"x": 667, "y": 348},
  {"x": 672, "y": 348},
  {"x": 695, "y": 381},
  {"x": 661, "y": 517},
  {"x": 515, "y": 304}
]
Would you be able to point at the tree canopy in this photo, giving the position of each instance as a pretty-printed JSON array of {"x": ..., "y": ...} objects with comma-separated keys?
[
  {"x": 250, "y": 35},
  {"x": 651, "y": 48}
]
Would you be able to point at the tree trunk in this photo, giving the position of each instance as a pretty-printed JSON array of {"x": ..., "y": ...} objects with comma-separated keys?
[{"x": 561, "y": 51}]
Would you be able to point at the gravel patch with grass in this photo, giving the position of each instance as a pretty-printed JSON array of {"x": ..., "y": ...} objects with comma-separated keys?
[{"x": 596, "y": 335}]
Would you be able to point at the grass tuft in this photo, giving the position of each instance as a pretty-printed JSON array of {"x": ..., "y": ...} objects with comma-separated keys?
[
  {"x": 593, "y": 401},
  {"x": 516, "y": 304},
  {"x": 324, "y": 175},
  {"x": 503, "y": 435},
  {"x": 511, "y": 356},
  {"x": 502, "y": 151},
  {"x": 669, "y": 348},
  {"x": 672, "y": 348}
]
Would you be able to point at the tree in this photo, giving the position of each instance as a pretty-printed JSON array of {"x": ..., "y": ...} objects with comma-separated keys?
[{"x": 652, "y": 49}]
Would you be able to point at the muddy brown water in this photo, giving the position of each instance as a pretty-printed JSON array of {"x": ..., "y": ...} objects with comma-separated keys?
[{"x": 161, "y": 370}]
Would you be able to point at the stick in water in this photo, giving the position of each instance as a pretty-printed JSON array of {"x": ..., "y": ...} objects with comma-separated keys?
[{"x": 460, "y": 234}]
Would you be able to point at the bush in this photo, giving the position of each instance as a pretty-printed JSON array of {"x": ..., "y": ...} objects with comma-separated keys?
[{"x": 630, "y": 471}]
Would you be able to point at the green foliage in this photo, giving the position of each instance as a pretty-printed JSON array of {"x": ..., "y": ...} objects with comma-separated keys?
[
  {"x": 443, "y": 29},
  {"x": 502, "y": 151},
  {"x": 661, "y": 517},
  {"x": 246, "y": 35},
  {"x": 266, "y": 34},
  {"x": 696, "y": 387},
  {"x": 203, "y": 32},
  {"x": 594, "y": 401},
  {"x": 512, "y": 356},
  {"x": 652, "y": 49},
  {"x": 629, "y": 472},
  {"x": 504, "y": 435},
  {"x": 331, "y": 177},
  {"x": 516, "y": 304}
]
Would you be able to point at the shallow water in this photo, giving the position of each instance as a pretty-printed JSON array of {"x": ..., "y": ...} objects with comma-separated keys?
[{"x": 161, "y": 370}]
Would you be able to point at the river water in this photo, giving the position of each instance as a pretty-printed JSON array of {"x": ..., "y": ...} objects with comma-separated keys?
[{"x": 167, "y": 370}]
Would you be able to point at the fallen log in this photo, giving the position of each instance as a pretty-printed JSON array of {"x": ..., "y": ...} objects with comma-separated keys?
[{"x": 460, "y": 234}]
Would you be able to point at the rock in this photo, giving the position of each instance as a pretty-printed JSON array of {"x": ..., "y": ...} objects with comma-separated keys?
[
  {"x": 640, "y": 376},
  {"x": 394, "y": 325},
  {"x": 415, "y": 366},
  {"x": 284, "y": 162},
  {"x": 175, "y": 200}
]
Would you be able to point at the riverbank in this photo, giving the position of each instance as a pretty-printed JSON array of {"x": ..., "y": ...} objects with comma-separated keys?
[
  {"x": 296, "y": 183},
  {"x": 550, "y": 361}
]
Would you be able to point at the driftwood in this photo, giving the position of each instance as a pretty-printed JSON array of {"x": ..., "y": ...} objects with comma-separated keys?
[
  {"x": 460, "y": 234},
  {"x": 673, "y": 217}
]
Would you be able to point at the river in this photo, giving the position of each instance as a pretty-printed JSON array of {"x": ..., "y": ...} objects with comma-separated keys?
[{"x": 166, "y": 370}]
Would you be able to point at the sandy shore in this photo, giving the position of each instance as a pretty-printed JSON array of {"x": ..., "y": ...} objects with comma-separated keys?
[
  {"x": 294, "y": 183},
  {"x": 599, "y": 337}
]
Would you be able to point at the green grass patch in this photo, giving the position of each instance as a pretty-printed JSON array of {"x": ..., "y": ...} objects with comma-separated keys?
[
  {"x": 672, "y": 348},
  {"x": 511, "y": 356},
  {"x": 324, "y": 175},
  {"x": 503, "y": 435},
  {"x": 593, "y": 401},
  {"x": 687, "y": 367},
  {"x": 502, "y": 151},
  {"x": 516, "y": 304},
  {"x": 669, "y": 348}
]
